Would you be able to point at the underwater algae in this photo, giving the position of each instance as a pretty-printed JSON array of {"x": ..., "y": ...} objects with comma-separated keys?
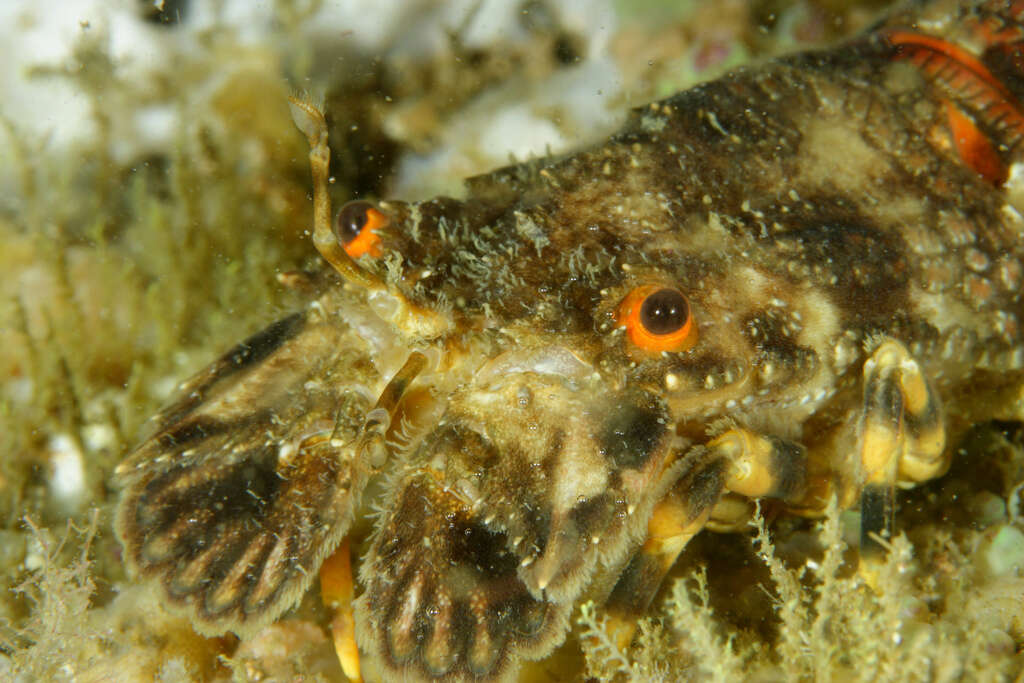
[{"x": 125, "y": 275}]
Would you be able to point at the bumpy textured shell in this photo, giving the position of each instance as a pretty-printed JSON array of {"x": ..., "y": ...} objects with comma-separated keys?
[{"x": 806, "y": 208}]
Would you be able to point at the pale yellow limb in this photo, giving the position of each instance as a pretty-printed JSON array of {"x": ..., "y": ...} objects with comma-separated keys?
[
  {"x": 902, "y": 436},
  {"x": 337, "y": 590},
  {"x": 738, "y": 463}
]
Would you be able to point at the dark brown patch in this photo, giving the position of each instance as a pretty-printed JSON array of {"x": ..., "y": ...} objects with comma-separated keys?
[
  {"x": 702, "y": 481},
  {"x": 789, "y": 465},
  {"x": 594, "y": 515},
  {"x": 863, "y": 268},
  {"x": 198, "y": 428},
  {"x": 632, "y": 431}
]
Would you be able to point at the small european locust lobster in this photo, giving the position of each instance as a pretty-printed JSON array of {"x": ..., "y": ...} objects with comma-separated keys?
[{"x": 800, "y": 281}]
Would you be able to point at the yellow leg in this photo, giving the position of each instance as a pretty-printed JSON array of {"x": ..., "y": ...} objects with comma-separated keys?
[
  {"x": 677, "y": 518},
  {"x": 738, "y": 462},
  {"x": 901, "y": 436},
  {"x": 761, "y": 465},
  {"x": 337, "y": 590}
]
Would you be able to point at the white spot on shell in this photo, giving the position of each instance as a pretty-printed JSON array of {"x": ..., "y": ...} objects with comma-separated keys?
[
  {"x": 976, "y": 260},
  {"x": 285, "y": 452}
]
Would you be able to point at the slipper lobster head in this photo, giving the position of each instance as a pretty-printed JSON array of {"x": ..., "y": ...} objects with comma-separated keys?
[
  {"x": 584, "y": 321},
  {"x": 527, "y": 370}
]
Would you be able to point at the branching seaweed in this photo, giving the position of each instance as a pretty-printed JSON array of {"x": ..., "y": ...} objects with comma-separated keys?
[
  {"x": 836, "y": 622},
  {"x": 605, "y": 660},
  {"x": 693, "y": 619},
  {"x": 50, "y": 645}
]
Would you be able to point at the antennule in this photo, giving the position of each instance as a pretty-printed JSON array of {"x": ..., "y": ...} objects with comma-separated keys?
[{"x": 310, "y": 120}]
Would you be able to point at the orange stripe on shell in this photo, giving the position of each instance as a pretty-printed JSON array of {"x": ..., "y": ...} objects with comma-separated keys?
[{"x": 973, "y": 85}]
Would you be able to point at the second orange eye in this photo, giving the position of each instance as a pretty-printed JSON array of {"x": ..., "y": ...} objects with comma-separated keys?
[
  {"x": 356, "y": 226},
  {"x": 657, "y": 319}
]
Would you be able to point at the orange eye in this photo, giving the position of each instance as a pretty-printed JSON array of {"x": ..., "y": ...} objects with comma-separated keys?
[
  {"x": 355, "y": 228},
  {"x": 657, "y": 319}
]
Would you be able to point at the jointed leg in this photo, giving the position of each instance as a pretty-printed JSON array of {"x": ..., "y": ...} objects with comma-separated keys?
[
  {"x": 901, "y": 436},
  {"x": 737, "y": 461},
  {"x": 337, "y": 590},
  {"x": 677, "y": 518},
  {"x": 761, "y": 466}
]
